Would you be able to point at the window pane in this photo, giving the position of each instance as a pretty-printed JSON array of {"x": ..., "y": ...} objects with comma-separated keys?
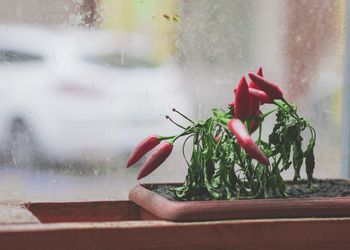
[
  {"x": 119, "y": 60},
  {"x": 114, "y": 68},
  {"x": 7, "y": 56}
]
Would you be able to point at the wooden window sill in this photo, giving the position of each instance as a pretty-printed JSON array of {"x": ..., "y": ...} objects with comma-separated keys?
[{"x": 118, "y": 225}]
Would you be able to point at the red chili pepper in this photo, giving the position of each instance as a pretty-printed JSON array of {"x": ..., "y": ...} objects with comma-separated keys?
[
  {"x": 253, "y": 105},
  {"x": 252, "y": 84},
  {"x": 260, "y": 95},
  {"x": 242, "y": 110},
  {"x": 255, "y": 123},
  {"x": 270, "y": 88},
  {"x": 246, "y": 142},
  {"x": 142, "y": 148},
  {"x": 155, "y": 160},
  {"x": 260, "y": 72},
  {"x": 253, "y": 101}
]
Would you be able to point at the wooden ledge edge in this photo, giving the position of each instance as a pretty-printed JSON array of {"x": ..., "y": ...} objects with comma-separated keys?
[
  {"x": 15, "y": 212},
  {"x": 6, "y": 228}
]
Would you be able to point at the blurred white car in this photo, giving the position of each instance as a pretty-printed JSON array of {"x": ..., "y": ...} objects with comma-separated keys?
[{"x": 72, "y": 94}]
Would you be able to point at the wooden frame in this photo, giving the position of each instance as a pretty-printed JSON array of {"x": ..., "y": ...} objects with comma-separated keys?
[{"x": 118, "y": 225}]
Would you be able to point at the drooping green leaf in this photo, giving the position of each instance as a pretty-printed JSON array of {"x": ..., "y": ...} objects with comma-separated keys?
[
  {"x": 297, "y": 158},
  {"x": 310, "y": 161}
]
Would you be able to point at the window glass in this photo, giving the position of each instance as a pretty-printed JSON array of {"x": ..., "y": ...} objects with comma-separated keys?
[
  {"x": 114, "y": 69},
  {"x": 119, "y": 60},
  {"x": 8, "y": 56}
]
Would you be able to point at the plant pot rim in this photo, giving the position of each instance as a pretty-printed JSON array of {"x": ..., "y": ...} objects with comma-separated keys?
[{"x": 238, "y": 209}]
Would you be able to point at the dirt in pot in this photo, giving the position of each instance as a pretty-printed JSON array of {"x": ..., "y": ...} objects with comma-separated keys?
[{"x": 321, "y": 188}]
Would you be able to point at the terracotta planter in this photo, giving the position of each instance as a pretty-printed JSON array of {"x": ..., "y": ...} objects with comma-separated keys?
[{"x": 155, "y": 206}]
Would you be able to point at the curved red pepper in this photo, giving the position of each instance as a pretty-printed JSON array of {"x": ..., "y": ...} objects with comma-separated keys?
[
  {"x": 242, "y": 110},
  {"x": 253, "y": 101},
  {"x": 252, "y": 84},
  {"x": 142, "y": 148},
  {"x": 270, "y": 88},
  {"x": 155, "y": 160},
  {"x": 246, "y": 142},
  {"x": 253, "y": 105},
  {"x": 260, "y": 95},
  {"x": 255, "y": 123}
]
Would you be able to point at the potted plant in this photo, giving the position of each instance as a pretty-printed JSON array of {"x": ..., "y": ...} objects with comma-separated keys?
[{"x": 230, "y": 175}]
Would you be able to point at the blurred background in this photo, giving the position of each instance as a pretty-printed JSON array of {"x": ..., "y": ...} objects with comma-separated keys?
[{"x": 82, "y": 81}]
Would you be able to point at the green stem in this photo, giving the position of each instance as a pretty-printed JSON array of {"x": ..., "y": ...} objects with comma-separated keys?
[
  {"x": 279, "y": 160},
  {"x": 162, "y": 138},
  {"x": 268, "y": 113},
  {"x": 183, "y": 149},
  {"x": 188, "y": 119},
  {"x": 248, "y": 125},
  {"x": 260, "y": 132},
  {"x": 280, "y": 106},
  {"x": 188, "y": 131},
  {"x": 312, "y": 131},
  {"x": 290, "y": 107},
  {"x": 239, "y": 156}
]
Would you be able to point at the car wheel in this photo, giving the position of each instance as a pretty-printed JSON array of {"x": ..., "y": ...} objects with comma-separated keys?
[{"x": 22, "y": 148}]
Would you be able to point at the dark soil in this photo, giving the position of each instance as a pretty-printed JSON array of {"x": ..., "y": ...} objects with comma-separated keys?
[{"x": 321, "y": 188}]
